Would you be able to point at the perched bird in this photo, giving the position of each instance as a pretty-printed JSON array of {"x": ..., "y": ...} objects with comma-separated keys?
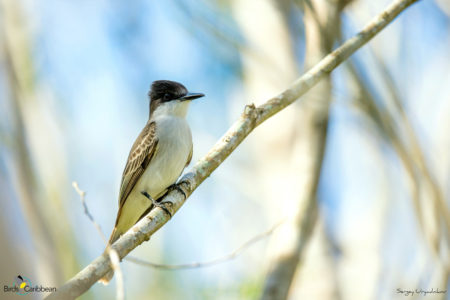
[{"x": 158, "y": 156}]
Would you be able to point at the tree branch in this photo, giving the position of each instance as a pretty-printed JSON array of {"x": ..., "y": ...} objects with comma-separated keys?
[
  {"x": 115, "y": 260},
  {"x": 208, "y": 263},
  {"x": 321, "y": 21},
  {"x": 251, "y": 118}
]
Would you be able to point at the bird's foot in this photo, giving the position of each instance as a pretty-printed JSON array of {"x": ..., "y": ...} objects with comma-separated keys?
[
  {"x": 177, "y": 187},
  {"x": 157, "y": 204}
]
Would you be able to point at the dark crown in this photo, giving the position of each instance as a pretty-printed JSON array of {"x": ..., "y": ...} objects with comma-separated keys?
[{"x": 166, "y": 90}]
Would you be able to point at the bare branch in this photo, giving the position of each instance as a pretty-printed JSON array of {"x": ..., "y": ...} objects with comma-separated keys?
[
  {"x": 322, "y": 23},
  {"x": 251, "y": 118},
  {"x": 115, "y": 260},
  {"x": 82, "y": 195},
  {"x": 209, "y": 263}
]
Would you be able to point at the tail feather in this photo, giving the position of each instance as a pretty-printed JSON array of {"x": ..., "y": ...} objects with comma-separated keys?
[{"x": 114, "y": 236}]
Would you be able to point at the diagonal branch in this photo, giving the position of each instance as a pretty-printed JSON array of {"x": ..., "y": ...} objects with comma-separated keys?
[{"x": 250, "y": 119}]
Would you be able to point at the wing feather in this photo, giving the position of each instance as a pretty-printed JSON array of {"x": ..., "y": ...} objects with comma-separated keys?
[{"x": 140, "y": 155}]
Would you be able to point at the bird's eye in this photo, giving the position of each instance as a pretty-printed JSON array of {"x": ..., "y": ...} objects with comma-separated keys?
[{"x": 167, "y": 97}]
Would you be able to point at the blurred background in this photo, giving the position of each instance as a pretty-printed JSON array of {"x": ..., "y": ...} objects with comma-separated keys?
[{"x": 358, "y": 169}]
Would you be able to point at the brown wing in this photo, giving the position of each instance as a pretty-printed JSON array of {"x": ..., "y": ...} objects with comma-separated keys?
[{"x": 140, "y": 155}]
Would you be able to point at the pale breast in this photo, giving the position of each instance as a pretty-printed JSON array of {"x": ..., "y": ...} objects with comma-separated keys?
[{"x": 174, "y": 147}]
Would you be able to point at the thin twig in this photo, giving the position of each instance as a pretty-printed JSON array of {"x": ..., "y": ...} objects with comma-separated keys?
[
  {"x": 440, "y": 210},
  {"x": 115, "y": 261},
  {"x": 250, "y": 119},
  {"x": 225, "y": 258},
  {"x": 113, "y": 255},
  {"x": 82, "y": 195}
]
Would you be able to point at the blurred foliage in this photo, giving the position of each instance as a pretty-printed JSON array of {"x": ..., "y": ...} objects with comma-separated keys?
[{"x": 73, "y": 83}]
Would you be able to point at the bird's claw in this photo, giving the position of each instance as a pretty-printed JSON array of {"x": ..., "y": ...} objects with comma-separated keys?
[
  {"x": 157, "y": 204},
  {"x": 178, "y": 188}
]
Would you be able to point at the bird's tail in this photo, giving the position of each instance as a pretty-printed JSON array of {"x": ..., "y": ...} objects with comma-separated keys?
[{"x": 114, "y": 236}]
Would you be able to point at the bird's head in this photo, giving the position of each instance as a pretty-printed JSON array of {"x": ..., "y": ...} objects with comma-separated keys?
[{"x": 170, "y": 98}]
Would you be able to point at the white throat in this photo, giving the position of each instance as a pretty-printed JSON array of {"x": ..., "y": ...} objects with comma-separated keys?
[{"x": 174, "y": 108}]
